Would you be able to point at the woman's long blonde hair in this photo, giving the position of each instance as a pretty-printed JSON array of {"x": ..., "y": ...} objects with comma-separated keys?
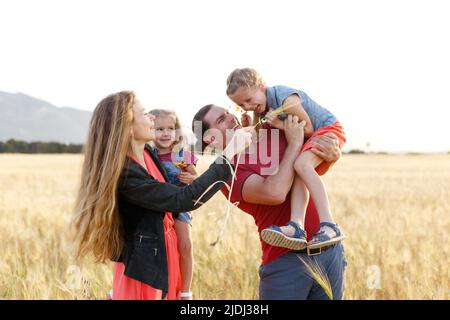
[{"x": 96, "y": 219}]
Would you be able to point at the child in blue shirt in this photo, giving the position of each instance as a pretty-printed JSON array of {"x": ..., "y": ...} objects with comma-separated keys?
[{"x": 249, "y": 91}]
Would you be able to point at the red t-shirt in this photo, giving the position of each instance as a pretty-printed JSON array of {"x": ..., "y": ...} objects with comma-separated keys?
[{"x": 269, "y": 155}]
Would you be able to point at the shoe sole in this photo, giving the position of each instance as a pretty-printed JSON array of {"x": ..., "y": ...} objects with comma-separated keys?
[
  {"x": 278, "y": 239},
  {"x": 327, "y": 243}
]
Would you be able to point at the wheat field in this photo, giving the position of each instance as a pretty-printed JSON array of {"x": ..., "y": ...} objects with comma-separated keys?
[{"x": 394, "y": 209}]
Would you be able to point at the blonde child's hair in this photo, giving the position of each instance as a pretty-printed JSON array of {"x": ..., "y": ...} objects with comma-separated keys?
[
  {"x": 245, "y": 77},
  {"x": 171, "y": 114}
]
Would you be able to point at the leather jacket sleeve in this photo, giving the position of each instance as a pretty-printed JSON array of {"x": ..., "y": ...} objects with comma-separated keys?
[{"x": 140, "y": 188}]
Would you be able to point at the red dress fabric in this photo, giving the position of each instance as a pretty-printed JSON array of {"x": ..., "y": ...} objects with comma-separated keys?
[{"x": 126, "y": 288}]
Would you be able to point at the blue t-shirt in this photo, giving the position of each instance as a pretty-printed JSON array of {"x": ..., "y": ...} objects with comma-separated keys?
[{"x": 319, "y": 116}]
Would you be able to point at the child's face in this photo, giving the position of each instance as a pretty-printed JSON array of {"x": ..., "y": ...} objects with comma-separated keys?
[
  {"x": 250, "y": 99},
  {"x": 165, "y": 132}
]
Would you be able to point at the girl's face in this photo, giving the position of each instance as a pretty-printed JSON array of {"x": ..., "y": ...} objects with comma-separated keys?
[
  {"x": 165, "y": 132},
  {"x": 250, "y": 99},
  {"x": 143, "y": 124}
]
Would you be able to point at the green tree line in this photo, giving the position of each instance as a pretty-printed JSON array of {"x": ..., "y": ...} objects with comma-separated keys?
[{"x": 17, "y": 146}]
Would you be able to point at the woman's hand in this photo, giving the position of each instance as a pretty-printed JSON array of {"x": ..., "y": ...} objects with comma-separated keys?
[{"x": 241, "y": 139}]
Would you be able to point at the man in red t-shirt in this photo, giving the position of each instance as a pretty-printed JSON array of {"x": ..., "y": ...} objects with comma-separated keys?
[{"x": 263, "y": 180}]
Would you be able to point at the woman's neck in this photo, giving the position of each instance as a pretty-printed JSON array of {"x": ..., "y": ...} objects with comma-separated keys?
[{"x": 137, "y": 151}]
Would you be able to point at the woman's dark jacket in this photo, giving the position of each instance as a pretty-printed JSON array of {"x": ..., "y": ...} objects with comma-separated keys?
[{"x": 143, "y": 202}]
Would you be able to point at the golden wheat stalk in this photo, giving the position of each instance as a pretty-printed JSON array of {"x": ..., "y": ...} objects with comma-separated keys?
[
  {"x": 317, "y": 273},
  {"x": 228, "y": 208},
  {"x": 281, "y": 109},
  {"x": 228, "y": 205},
  {"x": 275, "y": 112}
]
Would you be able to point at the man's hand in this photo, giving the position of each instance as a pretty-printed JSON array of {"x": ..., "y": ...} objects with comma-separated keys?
[
  {"x": 328, "y": 145},
  {"x": 294, "y": 131}
]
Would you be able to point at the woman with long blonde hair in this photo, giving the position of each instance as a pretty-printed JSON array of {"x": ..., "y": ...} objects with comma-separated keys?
[{"x": 123, "y": 209}]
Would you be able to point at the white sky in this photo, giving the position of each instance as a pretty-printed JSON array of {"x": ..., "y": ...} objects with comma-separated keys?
[{"x": 383, "y": 67}]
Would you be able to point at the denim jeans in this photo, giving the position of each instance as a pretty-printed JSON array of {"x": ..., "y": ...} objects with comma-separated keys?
[{"x": 286, "y": 278}]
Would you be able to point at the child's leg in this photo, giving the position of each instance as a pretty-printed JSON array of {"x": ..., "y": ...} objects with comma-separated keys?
[
  {"x": 299, "y": 202},
  {"x": 305, "y": 167},
  {"x": 184, "y": 236},
  {"x": 293, "y": 235}
]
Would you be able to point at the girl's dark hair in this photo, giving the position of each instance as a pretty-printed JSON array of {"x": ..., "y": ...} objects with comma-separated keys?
[{"x": 200, "y": 126}]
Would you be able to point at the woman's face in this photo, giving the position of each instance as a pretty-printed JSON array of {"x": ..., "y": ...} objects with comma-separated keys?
[
  {"x": 143, "y": 124},
  {"x": 164, "y": 132}
]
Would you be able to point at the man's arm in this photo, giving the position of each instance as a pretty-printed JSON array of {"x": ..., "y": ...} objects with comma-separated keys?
[{"x": 272, "y": 190}]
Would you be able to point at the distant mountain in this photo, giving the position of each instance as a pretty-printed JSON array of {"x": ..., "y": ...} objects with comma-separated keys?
[{"x": 26, "y": 118}]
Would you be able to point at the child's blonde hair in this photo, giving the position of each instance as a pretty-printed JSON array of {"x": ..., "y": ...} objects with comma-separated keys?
[
  {"x": 246, "y": 77},
  {"x": 171, "y": 114}
]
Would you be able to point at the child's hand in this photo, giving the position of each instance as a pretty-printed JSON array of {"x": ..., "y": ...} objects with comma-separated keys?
[
  {"x": 274, "y": 121},
  {"x": 246, "y": 120},
  {"x": 186, "y": 177}
]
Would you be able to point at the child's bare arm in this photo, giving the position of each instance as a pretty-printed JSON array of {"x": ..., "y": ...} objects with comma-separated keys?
[{"x": 293, "y": 105}]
